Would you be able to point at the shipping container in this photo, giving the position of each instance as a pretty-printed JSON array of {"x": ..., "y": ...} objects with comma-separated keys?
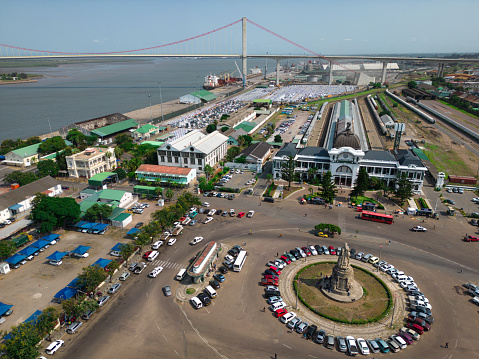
[{"x": 462, "y": 180}]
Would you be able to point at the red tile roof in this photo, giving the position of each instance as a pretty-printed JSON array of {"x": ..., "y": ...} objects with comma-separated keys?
[{"x": 165, "y": 169}]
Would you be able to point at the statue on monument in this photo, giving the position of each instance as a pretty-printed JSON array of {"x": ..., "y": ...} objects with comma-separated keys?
[{"x": 343, "y": 260}]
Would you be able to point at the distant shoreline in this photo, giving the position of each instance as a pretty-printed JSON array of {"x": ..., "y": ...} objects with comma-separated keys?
[{"x": 19, "y": 81}]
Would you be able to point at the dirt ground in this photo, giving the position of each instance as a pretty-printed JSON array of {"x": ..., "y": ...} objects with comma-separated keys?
[
  {"x": 371, "y": 305},
  {"x": 447, "y": 154}
]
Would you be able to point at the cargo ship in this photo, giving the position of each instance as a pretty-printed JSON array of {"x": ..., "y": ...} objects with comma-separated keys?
[{"x": 213, "y": 81}]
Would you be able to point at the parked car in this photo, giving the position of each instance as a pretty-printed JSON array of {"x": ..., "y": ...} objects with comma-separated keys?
[
  {"x": 124, "y": 276},
  {"x": 363, "y": 346},
  {"x": 352, "y": 347},
  {"x": 342, "y": 347},
  {"x": 103, "y": 300},
  {"x": 54, "y": 346}
]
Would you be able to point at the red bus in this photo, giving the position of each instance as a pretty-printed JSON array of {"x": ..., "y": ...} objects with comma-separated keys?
[{"x": 377, "y": 217}]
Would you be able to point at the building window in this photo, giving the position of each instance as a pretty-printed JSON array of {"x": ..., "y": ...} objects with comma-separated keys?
[
  {"x": 169, "y": 159},
  {"x": 162, "y": 159},
  {"x": 185, "y": 160},
  {"x": 176, "y": 160}
]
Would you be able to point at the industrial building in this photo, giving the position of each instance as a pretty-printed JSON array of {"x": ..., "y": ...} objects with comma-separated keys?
[{"x": 198, "y": 97}]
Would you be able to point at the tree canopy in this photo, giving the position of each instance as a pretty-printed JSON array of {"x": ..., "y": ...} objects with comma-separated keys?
[
  {"x": 91, "y": 277},
  {"x": 331, "y": 228},
  {"x": 404, "y": 187},
  {"x": 80, "y": 140},
  {"x": 124, "y": 141},
  {"x": 211, "y": 128},
  {"x": 362, "y": 183},
  {"x": 54, "y": 212},
  {"x": 7, "y": 248},
  {"x": 120, "y": 172},
  {"x": 10, "y": 145},
  {"x": 51, "y": 145},
  {"x": 328, "y": 188},
  {"x": 23, "y": 342},
  {"x": 22, "y": 178},
  {"x": 278, "y": 138},
  {"x": 98, "y": 212},
  {"x": 47, "y": 168},
  {"x": 287, "y": 170},
  {"x": 412, "y": 84}
]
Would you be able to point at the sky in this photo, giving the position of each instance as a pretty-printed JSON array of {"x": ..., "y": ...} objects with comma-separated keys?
[{"x": 337, "y": 27}]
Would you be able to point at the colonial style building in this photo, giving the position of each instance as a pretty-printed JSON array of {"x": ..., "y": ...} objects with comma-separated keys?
[
  {"x": 194, "y": 150},
  {"x": 91, "y": 162}
]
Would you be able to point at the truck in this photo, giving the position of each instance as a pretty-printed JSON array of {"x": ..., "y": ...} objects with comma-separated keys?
[{"x": 178, "y": 229}]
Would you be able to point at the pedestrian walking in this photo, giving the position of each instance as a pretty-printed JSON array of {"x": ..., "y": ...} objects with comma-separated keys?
[
  {"x": 277, "y": 254},
  {"x": 434, "y": 227},
  {"x": 264, "y": 309},
  {"x": 447, "y": 345},
  {"x": 275, "y": 356},
  {"x": 244, "y": 244},
  {"x": 462, "y": 270},
  {"x": 305, "y": 214},
  {"x": 281, "y": 235}
]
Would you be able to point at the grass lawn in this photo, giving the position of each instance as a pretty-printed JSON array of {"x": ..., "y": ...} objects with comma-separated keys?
[
  {"x": 458, "y": 109},
  {"x": 446, "y": 160},
  {"x": 372, "y": 304}
]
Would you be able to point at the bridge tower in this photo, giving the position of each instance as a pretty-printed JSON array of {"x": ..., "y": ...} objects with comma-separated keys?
[{"x": 243, "y": 55}]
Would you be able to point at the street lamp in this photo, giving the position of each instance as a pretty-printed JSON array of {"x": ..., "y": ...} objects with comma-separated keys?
[
  {"x": 161, "y": 101},
  {"x": 151, "y": 116},
  {"x": 380, "y": 246}
]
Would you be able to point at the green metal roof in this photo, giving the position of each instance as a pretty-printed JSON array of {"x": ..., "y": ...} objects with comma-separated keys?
[
  {"x": 27, "y": 151},
  {"x": 262, "y": 100},
  {"x": 165, "y": 136},
  {"x": 247, "y": 126},
  {"x": 114, "y": 128},
  {"x": 97, "y": 180},
  {"x": 111, "y": 194},
  {"x": 204, "y": 95},
  {"x": 121, "y": 217},
  {"x": 153, "y": 143},
  {"x": 84, "y": 205},
  {"x": 420, "y": 154},
  {"x": 146, "y": 128},
  {"x": 162, "y": 128},
  {"x": 344, "y": 112},
  {"x": 116, "y": 211}
]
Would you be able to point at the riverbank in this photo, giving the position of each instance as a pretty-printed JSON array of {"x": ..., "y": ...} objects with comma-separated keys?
[{"x": 15, "y": 82}]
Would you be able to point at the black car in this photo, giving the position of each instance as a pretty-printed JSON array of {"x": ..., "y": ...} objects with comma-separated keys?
[
  {"x": 139, "y": 225},
  {"x": 352, "y": 253},
  {"x": 239, "y": 248},
  {"x": 272, "y": 293},
  {"x": 223, "y": 269},
  {"x": 204, "y": 299},
  {"x": 311, "y": 331},
  {"x": 234, "y": 252},
  {"x": 318, "y": 248},
  {"x": 214, "y": 283},
  {"x": 219, "y": 211},
  {"x": 210, "y": 194},
  {"x": 295, "y": 253}
]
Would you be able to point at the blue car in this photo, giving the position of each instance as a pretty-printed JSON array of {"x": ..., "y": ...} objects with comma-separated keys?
[{"x": 219, "y": 277}]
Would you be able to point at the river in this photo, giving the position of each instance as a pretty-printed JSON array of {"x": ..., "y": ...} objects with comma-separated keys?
[{"x": 78, "y": 92}]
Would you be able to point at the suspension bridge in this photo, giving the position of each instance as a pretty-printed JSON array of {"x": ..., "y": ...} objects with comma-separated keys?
[{"x": 205, "y": 45}]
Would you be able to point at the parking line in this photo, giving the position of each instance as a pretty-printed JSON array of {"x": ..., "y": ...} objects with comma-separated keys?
[
  {"x": 176, "y": 352},
  {"x": 165, "y": 337},
  {"x": 287, "y": 346}
]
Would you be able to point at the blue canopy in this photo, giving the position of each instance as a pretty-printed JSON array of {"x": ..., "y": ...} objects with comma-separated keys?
[
  {"x": 133, "y": 231},
  {"x": 80, "y": 250},
  {"x": 40, "y": 244},
  {"x": 16, "y": 206},
  {"x": 117, "y": 247},
  {"x": 33, "y": 318},
  {"x": 101, "y": 262},
  {"x": 66, "y": 293},
  {"x": 15, "y": 259},
  {"x": 101, "y": 226},
  {"x": 56, "y": 256},
  {"x": 73, "y": 283},
  {"x": 50, "y": 237},
  {"x": 28, "y": 251},
  {"x": 81, "y": 223},
  {"x": 89, "y": 225},
  {"x": 4, "y": 308}
]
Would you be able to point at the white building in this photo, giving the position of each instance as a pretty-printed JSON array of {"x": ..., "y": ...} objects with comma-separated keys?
[
  {"x": 194, "y": 150},
  {"x": 91, "y": 162}
]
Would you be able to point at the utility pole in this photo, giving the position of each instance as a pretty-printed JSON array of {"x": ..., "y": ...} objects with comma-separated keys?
[
  {"x": 151, "y": 115},
  {"x": 243, "y": 55},
  {"x": 161, "y": 101}
]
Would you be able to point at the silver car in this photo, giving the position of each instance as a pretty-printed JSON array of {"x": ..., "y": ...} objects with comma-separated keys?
[
  {"x": 103, "y": 300},
  {"x": 114, "y": 288}
]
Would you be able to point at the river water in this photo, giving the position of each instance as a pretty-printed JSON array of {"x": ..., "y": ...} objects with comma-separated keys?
[{"x": 78, "y": 92}]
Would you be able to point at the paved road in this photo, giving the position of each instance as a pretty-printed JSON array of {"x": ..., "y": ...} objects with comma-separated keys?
[{"x": 139, "y": 321}]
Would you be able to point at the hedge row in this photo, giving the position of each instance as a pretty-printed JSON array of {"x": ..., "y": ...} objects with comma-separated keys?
[{"x": 361, "y": 321}]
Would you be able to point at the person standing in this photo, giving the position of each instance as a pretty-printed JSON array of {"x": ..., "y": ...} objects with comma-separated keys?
[{"x": 447, "y": 345}]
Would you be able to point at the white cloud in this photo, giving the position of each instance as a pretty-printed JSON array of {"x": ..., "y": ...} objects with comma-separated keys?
[
  {"x": 348, "y": 39},
  {"x": 96, "y": 41}
]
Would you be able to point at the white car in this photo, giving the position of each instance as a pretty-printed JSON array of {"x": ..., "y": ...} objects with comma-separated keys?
[
  {"x": 419, "y": 229},
  {"x": 55, "y": 263},
  {"x": 406, "y": 283},
  {"x": 278, "y": 263},
  {"x": 212, "y": 212},
  {"x": 206, "y": 204},
  {"x": 363, "y": 346},
  {"x": 186, "y": 221},
  {"x": 193, "y": 209},
  {"x": 53, "y": 347},
  {"x": 229, "y": 258},
  {"x": 313, "y": 250},
  {"x": 157, "y": 245},
  {"x": 288, "y": 317},
  {"x": 207, "y": 220},
  {"x": 154, "y": 273},
  {"x": 171, "y": 241},
  {"x": 386, "y": 267},
  {"x": 196, "y": 240},
  {"x": 250, "y": 214},
  {"x": 475, "y": 200}
]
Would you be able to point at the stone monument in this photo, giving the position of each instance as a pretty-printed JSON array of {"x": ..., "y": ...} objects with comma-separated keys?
[{"x": 341, "y": 285}]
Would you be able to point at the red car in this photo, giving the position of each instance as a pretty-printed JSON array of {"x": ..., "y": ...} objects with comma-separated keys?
[
  {"x": 280, "y": 312},
  {"x": 407, "y": 338},
  {"x": 241, "y": 214},
  {"x": 307, "y": 251},
  {"x": 416, "y": 327},
  {"x": 147, "y": 253},
  {"x": 268, "y": 281},
  {"x": 471, "y": 239},
  {"x": 332, "y": 251},
  {"x": 270, "y": 276},
  {"x": 182, "y": 219},
  {"x": 275, "y": 269},
  {"x": 285, "y": 259}
]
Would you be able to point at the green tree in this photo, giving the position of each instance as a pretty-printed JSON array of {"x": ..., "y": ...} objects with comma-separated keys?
[
  {"x": 23, "y": 342},
  {"x": 232, "y": 152},
  {"x": 245, "y": 140},
  {"x": 126, "y": 250},
  {"x": 75, "y": 307},
  {"x": 287, "y": 170},
  {"x": 47, "y": 168},
  {"x": 211, "y": 128},
  {"x": 404, "y": 188},
  {"x": 328, "y": 188},
  {"x": 61, "y": 158},
  {"x": 209, "y": 172},
  {"x": 331, "y": 228},
  {"x": 53, "y": 212},
  {"x": 98, "y": 212},
  {"x": 22, "y": 178},
  {"x": 91, "y": 277},
  {"x": 124, "y": 141},
  {"x": 224, "y": 128},
  {"x": 51, "y": 145},
  {"x": 362, "y": 183},
  {"x": 47, "y": 321},
  {"x": 120, "y": 172},
  {"x": 269, "y": 178},
  {"x": 312, "y": 172},
  {"x": 240, "y": 159},
  {"x": 80, "y": 140},
  {"x": 278, "y": 138},
  {"x": 7, "y": 248},
  {"x": 169, "y": 194},
  {"x": 412, "y": 84}
]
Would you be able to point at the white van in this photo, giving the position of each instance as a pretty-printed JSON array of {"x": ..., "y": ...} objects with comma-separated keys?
[
  {"x": 210, "y": 291},
  {"x": 181, "y": 274},
  {"x": 152, "y": 256},
  {"x": 196, "y": 302}
]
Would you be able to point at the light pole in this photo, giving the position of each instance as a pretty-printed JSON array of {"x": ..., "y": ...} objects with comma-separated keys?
[
  {"x": 161, "y": 102},
  {"x": 151, "y": 116},
  {"x": 380, "y": 246}
]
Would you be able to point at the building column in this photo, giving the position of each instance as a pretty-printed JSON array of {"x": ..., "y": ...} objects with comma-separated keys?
[
  {"x": 330, "y": 80},
  {"x": 277, "y": 72},
  {"x": 383, "y": 77}
]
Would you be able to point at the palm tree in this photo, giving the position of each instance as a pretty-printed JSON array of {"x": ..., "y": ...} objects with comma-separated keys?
[
  {"x": 209, "y": 171},
  {"x": 312, "y": 172}
]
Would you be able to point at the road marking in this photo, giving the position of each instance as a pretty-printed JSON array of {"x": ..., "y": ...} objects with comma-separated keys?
[
  {"x": 287, "y": 346},
  {"x": 146, "y": 294},
  {"x": 207, "y": 310},
  {"x": 165, "y": 337},
  {"x": 312, "y": 356},
  {"x": 176, "y": 352},
  {"x": 202, "y": 338},
  {"x": 265, "y": 333}
]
